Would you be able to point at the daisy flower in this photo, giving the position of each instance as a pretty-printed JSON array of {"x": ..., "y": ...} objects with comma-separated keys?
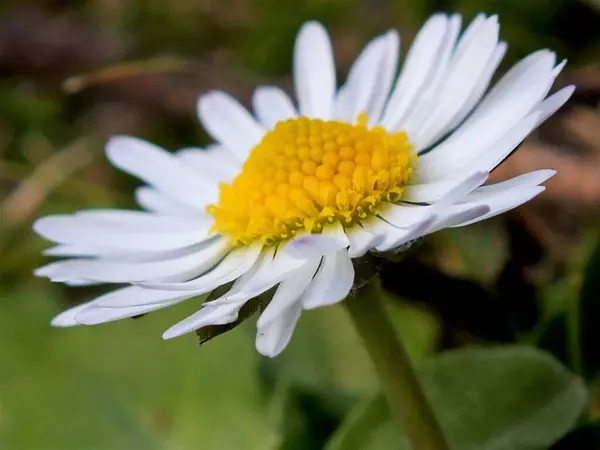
[{"x": 288, "y": 196}]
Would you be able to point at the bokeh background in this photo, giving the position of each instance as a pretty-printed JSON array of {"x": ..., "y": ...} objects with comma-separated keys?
[{"x": 74, "y": 72}]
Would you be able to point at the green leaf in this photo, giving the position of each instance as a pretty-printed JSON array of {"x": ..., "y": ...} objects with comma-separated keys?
[
  {"x": 503, "y": 398},
  {"x": 506, "y": 398}
]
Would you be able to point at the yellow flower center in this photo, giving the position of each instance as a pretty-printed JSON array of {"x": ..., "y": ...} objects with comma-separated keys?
[{"x": 306, "y": 173}]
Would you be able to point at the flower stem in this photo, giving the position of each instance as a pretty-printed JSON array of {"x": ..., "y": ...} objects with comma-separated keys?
[{"x": 398, "y": 380}]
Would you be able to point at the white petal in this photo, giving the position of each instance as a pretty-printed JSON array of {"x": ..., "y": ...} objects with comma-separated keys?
[
  {"x": 78, "y": 250},
  {"x": 67, "y": 318},
  {"x": 455, "y": 188},
  {"x": 274, "y": 337},
  {"x": 554, "y": 102},
  {"x": 91, "y": 312},
  {"x": 219, "y": 314},
  {"x": 526, "y": 180},
  {"x": 162, "y": 234},
  {"x": 264, "y": 275},
  {"x": 155, "y": 201},
  {"x": 461, "y": 189},
  {"x": 428, "y": 100},
  {"x": 481, "y": 86},
  {"x": 361, "y": 241},
  {"x": 140, "y": 220},
  {"x": 506, "y": 201},
  {"x": 314, "y": 71},
  {"x": 404, "y": 216},
  {"x": 395, "y": 237},
  {"x": 268, "y": 274},
  {"x": 229, "y": 123},
  {"x": 462, "y": 76},
  {"x": 289, "y": 291},
  {"x": 531, "y": 63},
  {"x": 386, "y": 74},
  {"x": 271, "y": 105},
  {"x": 234, "y": 265},
  {"x": 136, "y": 296},
  {"x": 160, "y": 169},
  {"x": 470, "y": 33},
  {"x": 353, "y": 96},
  {"x": 369, "y": 80},
  {"x": 214, "y": 164},
  {"x": 399, "y": 237},
  {"x": 225, "y": 309},
  {"x": 95, "y": 315},
  {"x": 417, "y": 71},
  {"x": 307, "y": 245},
  {"x": 183, "y": 267},
  {"x": 502, "y": 148},
  {"x": 116, "y": 255},
  {"x": 387, "y": 232},
  {"x": 503, "y": 110},
  {"x": 332, "y": 283},
  {"x": 458, "y": 214},
  {"x": 417, "y": 231}
]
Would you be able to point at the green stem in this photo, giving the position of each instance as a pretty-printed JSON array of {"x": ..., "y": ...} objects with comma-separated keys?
[{"x": 396, "y": 375}]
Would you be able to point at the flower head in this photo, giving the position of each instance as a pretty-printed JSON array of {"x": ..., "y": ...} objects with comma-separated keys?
[{"x": 287, "y": 197}]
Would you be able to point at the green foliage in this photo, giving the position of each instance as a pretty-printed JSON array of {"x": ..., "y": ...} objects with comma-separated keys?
[{"x": 507, "y": 398}]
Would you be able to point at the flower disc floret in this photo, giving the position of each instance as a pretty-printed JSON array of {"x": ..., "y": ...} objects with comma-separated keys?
[{"x": 306, "y": 173}]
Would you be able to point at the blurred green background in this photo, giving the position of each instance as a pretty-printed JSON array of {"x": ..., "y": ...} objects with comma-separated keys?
[{"x": 73, "y": 72}]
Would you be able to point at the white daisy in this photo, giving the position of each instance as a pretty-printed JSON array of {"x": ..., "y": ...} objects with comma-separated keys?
[{"x": 287, "y": 197}]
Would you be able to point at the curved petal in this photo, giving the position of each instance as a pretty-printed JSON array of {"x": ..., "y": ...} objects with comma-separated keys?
[
  {"x": 332, "y": 282},
  {"x": 458, "y": 214},
  {"x": 189, "y": 264},
  {"x": 155, "y": 201},
  {"x": 229, "y": 123},
  {"x": 554, "y": 102},
  {"x": 307, "y": 245},
  {"x": 502, "y": 110},
  {"x": 448, "y": 190},
  {"x": 91, "y": 313},
  {"x": 417, "y": 71},
  {"x": 225, "y": 309},
  {"x": 128, "y": 235},
  {"x": 505, "y": 201},
  {"x": 361, "y": 241},
  {"x": 272, "y": 338},
  {"x": 160, "y": 169},
  {"x": 234, "y": 265},
  {"x": 314, "y": 72},
  {"x": 95, "y": 315},
  {"x": 289, "y": 291},
  {"x": 215, "y": 164},
  {"x": 369, "y": 80},
  {"x": 428, "y": 100},
  {"x": 67, "y": 318},
  {"x": 271, "y": 105},
  {"x": 530, "y": 179},
  {"x": 479, "y": 89},
  {"x": 461, "y": 78},
  {"x": 219, "y": 314}
]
